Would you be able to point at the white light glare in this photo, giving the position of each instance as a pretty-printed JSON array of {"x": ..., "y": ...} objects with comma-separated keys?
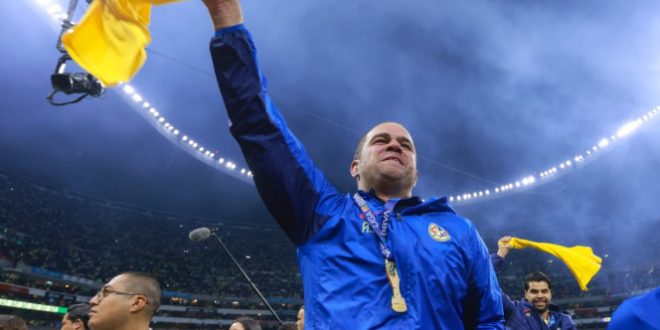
[
  {"x": 176, "y": 132},
  {"x": 43, "y": 2},
  {"x": 146, "y": 104},
  {"x": 54, "y": 8},
  {"x": 128, "y": 89},
  {"x": 603, "y": 143},
  {"x": 627, "y": 129},
  {"x": 184, "y": 138},
  {"x": 137, "y": 98}
]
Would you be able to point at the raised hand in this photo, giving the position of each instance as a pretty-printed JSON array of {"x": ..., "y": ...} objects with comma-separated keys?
[
  {"x": 224, "y": 13},
  {"x": 503, "y": 246}
]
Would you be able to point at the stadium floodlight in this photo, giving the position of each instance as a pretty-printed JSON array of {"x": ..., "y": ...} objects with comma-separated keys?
[
  {"x": 627, "y": 129},
  {"x": 604, "y": 142}
]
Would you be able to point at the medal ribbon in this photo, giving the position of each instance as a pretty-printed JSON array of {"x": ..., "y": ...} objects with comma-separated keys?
[
  {"x": 398, "y": 303},
  {"x": 380, "y": 231}
]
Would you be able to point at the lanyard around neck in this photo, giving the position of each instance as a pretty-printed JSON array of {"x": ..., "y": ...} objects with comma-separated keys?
[{"x": 379, "y": 230}]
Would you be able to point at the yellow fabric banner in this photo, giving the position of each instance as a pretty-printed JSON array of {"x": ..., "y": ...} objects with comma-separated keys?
[
  {"x": 110, "y": 39},
  {"x": 580, "y": 260}
]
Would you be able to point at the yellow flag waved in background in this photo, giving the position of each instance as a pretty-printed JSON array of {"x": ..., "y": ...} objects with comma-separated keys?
[
  {"x": 580, "y": 260},
  {"x": 110, "y": 39}
]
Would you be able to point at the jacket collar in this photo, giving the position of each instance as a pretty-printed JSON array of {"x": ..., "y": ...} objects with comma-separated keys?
[{"x": 412, "y": 205}]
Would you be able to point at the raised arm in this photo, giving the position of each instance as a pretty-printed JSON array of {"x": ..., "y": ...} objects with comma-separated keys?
[
  {"x": 287, "y": 180},
  {"x": 484, "y": 307},
  {"x": 497, "y": 260},
  {"x": 224, "y": 13}
]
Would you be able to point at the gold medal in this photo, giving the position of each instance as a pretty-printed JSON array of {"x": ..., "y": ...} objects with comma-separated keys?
[{"x": 398, "y": 303}]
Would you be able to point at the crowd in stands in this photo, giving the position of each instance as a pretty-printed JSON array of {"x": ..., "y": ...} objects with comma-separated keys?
[
  {"x": 71, "y": 234},
  {"x": 95, "y": 239}
]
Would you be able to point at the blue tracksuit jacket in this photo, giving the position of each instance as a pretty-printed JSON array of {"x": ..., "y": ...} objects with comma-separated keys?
[
  {"x": 446, "y": 276},
  {"x": 639, "y": 313},
  {"x": 521, "y": 315}
]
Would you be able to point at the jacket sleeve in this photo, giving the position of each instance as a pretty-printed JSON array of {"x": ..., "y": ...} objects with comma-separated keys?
[
  {"x": 484, "y": 310},
  {"x": 290, "y": 185},
  {"x": 509, "y": 305}
]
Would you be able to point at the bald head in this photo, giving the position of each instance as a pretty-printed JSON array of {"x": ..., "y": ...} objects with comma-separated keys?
[{"x": 385, "y": 161}]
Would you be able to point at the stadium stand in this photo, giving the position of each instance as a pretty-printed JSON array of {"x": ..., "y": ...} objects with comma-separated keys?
[{"x": 58, "y": 247}]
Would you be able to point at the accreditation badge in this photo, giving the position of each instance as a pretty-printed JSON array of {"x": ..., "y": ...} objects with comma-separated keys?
[{"x": 398, "y": 303}]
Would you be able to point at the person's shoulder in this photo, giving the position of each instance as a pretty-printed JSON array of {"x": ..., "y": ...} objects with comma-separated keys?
[
  {"x": 462, "y": 221},
  {"x": 565, "y": 319}
]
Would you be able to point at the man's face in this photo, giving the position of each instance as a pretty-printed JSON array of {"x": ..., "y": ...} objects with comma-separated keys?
[
  {"x": 387, "y": 157},
  {"x": 539, "y": 295},
  {"x": 109, "y": 308},
  {"x": 300, "y": 322}
]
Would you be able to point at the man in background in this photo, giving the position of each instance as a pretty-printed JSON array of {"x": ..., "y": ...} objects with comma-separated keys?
[
  {"x": 535, "y": 311},
  {"x": 127, "y": 302},
  {"x": 76, "y": 317}
]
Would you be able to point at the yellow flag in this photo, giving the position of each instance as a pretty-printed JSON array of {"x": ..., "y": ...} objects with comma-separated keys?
[
  {"x": 110, "y": 39},
  {"x": 580, "y": 260}
]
